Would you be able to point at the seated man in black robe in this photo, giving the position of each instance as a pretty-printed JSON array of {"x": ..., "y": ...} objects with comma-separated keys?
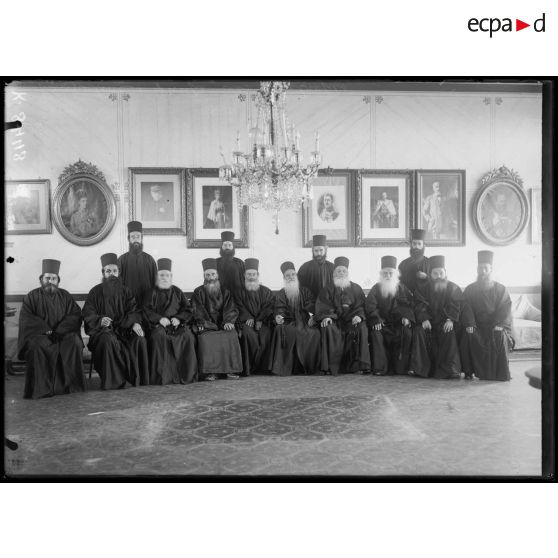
[
  {"x": 340, "y": 309},
  {"x": 172, "y": 345},
  {"x": 295, "y": 345},
  {"x": 116, "y": 339},
  {"x": 215, "y": 314},
  {"x": 49, "y": 338},
  {"x": 255, "y": 307},
  {"x": 487, "y": 320},
  {"x": 414, "y": 270},
  {"x": 390, "y": 318},
  {"x": 317, "y": 273},
  {"x": 230, "y": 268},
  {"x": 437, "y": 309}
]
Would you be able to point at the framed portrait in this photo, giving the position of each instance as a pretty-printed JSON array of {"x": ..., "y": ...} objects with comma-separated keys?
[
  {"x": 157, "y": 199},
  {"x": 440, "y": 207},
  {"x": 330, "y": 211},
  {"x": 384, "y": 201},
  {"x": 212, "y": 207},
  {"x": 84, "y": 206},
  {"x": 27, "y": 207},
  {"x": 500, "y": 207},
  {"x": 535, "y": 195}
]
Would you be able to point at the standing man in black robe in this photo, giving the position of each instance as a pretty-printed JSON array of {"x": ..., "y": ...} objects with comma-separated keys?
[
  {"x": 414, "y": 270},
  {"x": 437, "y": 309},
  {"x": 295, "y": 345},
  {"x": 390, "y": 319},
  {"x": 255, "y": 314},
  {"x": 49, "y": 338},
  {"x": 116, "y": 339},
  {"x": 340, "y": 309},
  {"x": 215, "y": 314},
  {"x": 138, "y": 270},
  {"x": 317, "y": 273},
  {"x": 230, "y": 269},
  {"x": 487, "y": 320},
  {"x": 172, "y": 345}
]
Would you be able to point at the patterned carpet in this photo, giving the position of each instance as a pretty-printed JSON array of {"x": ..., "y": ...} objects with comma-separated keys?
[{"x": 345, "y": 425}]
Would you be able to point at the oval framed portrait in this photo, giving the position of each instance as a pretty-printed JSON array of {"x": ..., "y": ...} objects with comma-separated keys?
[
  {"x": 501, "y": 207},
  {"x": 84, "y": 207}
]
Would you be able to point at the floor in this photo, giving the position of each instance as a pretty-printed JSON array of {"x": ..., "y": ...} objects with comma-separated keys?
[{"x": 345, "y": 425}]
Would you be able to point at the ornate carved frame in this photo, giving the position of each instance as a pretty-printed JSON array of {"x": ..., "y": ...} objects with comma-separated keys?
[
  {"x": 192, "y": 241},
  {"x": 88, "y": 172},
  {"x": 490, "y": 181}
]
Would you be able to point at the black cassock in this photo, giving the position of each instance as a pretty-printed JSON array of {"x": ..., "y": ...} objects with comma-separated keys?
[
  {"x": 255, "y": 345},
  {"x": 436, "y": 353},
  {"x": 119, "y": 355},
  {"x": 344, "y": 346},
  {"x": 54, "y": 363},
  {"x": 295, "y": 346},
  {"x": 408, "y": 273},
  {"x": 315, "y": 276},
  {"x": 218, "y": 350},
  {"x": 390, "y": 347},
  {"x": 172, "y": 351},
  {"x": 138, "y": 272},
  {"x": 231, "y": 274},
  {"x": 484, "y": 352}
]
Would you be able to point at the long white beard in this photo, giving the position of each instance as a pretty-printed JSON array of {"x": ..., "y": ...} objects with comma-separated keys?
[
  {"x": 388, "y": 287},
  {"x": 164, "y": 285},
  {"x": 252, "y": 285},
  {"x": 213, "y": 288},
  {"x": 342, "y": 282},
  {"x": 292, "y": 290}
]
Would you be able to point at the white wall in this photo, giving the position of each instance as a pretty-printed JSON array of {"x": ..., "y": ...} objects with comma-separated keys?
[{"x": 184, "y": 128}]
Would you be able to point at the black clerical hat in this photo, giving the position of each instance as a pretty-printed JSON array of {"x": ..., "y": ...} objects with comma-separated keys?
[
  {"x": 485, "y": 256},
  {"x": 135, "y": 226},
  {"x": 285, "y": 266},
  {"x": 418, "y": 234},
  {"x": 51, "y": 266},
  {"x": 436, "y": 261},
  {"x": 319, "y": 240},
  {"x": 227, "y": 236},
  {"x": 341, "y": 260},
  {"x": 164, "y": 264},
  {"x": 252, "y": 263},
  {"x": 109, "y": 259},
  {"x": 209, "y": 263},
  {"x": 389, "y": 261}
]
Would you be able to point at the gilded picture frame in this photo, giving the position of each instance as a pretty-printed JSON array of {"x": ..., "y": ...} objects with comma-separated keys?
[{"x": 84, "y": 207}]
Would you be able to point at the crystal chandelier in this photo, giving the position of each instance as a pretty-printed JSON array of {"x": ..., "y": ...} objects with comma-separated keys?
[{"x": 271, "y": 175}]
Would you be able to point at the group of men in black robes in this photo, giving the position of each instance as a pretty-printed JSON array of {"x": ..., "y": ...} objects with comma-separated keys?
[{"x": 143, "y": 330}]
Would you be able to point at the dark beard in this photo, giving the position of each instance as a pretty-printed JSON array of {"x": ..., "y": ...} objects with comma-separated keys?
[
  {"x": 416, "y": 253},
  {"x": 227, "y": 254},
  {"x": 136, "y": 247},
  {"x": 112, "y": 286},
  {"x": 320, "y": 259},
  {"x": 485, "y": 283},
  {"x": 49, "y": 288}
]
